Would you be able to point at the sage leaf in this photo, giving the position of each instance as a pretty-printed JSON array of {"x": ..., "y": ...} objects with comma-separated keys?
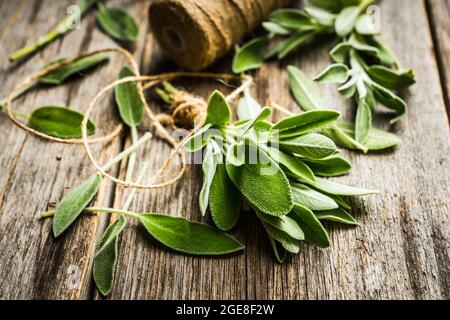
[
  {"x": 390, "y": 100},
  {"x": 311, "y": 199},
  {"x": 199, "y": 140},
  {"x": 293, "y": 164},
  {"x": 340, "y": 52},
  {"x": 291, "y": 19},
  {"x": 218, "y": 112},
  {"x": 363, "y": 121},
  {"x": 304, "y": 90},
  {"x": 287, "y": 242},
  {"x": 209, "y": 169},
  {"x": 251, "y": 55},
  {"x": 346, "y": 20},
  {"x": 359, "y": 44},
  {"x": 278, "y": 250},
  {"x": 329, "y": 167},
  {"x": 283, "y": 223},
  {"x": 105, "y": 259},
  {"x": 335, "y": 73},
  {"x": 336, "y": 215},
  {"x": 365, "y": 25},
  {"x": 324, "y": 18},
  {"x": 391, "y": 79},
  {"x": 304, "y": 123},
  {"x": 224, "y": 200},
  {"x": 376, "y": 140},
  {"x": 334, "y": 188},
  {"x": 275, "y": 28},
  {"x": 118, "y": 24},
  {"x": 252, "y": 180},
  {"x": 128, "y": 100},
  {"x": 248, "y": 107},
  {"x": 291, "y": 43},
  {"x": 236, "y": 154},
  {"x": 315, "y": 233},
  {"x": 59, "y": 122},
  {"x": 74, "y": 203},
  {"x": 58, "y": 76},
  {"x": 384, "y": 54},
  {"x": 189, "y": 237},
  {"x": 348, "y": 89},
  {"x": 313, "y": 146}
]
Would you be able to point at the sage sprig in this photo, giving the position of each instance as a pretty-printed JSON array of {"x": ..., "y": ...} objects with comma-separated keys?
[
  {"x": 363, "y": 66},
  {"x": 117, "y": 23},
  {"x": 274, "y": 168}
]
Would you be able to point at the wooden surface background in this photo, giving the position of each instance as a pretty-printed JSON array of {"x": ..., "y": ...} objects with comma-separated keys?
[{"x": 399, "y": 251}]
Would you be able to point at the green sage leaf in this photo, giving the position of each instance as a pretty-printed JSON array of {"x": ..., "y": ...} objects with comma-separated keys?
[
  {"x": 390, "y": 100},
  {"x": 315, "y": 233},
  {"x": 312, "y": 146},
  {"x": 224, "y": 200},
  {"x": 74, "y": 203},
  {"x": 335, "y": 73},
  {"x": 329, "y": 167},
  {"x": 131, "y": 107},
  {"x": 391, "y": 79},
  {"x": 304, "y": 90},
  {"x": 365, "y": 25},
  {"x": 275, "y": 28},
  {"x": 346, "y": 20},
  {"x": 105, "y": 259},
  {"x": 291, "y": 43},
  {"x": 334, "y": 188},
  {"x": 287, "y": 242},
  {"x": 59, "y": 122},
  {"x": 363, "y": 121},
  {"x": 118, "y": 24},
  {"x": 278, "y": 250},
  {"x": 283, "y": 223},
  {"x": 58, "y": 76},
  {"x": 323, "y": 17},
  {"x": 248, "y": 108},
  {"x": 384, "y": 54},
  {"x": 304, "y": 123},
  {"x": 340, "y": 52},
  {"x": 219, "y": 111},
  {"x": 291, "y": 19},
  {"x": 209, "y": 170},
  {"x": 252, "y": 180},
  {"x": 251, "y": 55},
  {"x": 295, "y": 165},
  {"x": 312, "y": 199},
  {"x": 189, "y": 237},
  {"x": 199, "y": 140},
  {"x": 336, "y": 215}
]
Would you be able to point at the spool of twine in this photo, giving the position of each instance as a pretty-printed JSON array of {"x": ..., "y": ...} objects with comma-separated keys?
[{"x": 195, "y": 33}]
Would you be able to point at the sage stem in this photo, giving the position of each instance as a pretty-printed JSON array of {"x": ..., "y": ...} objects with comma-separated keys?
[
  {"x": 133, "y": 156},
  {"x": 95, "y": 210}
]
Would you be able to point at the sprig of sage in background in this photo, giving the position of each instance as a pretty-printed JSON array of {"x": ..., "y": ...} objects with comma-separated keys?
[
  {"x": 363, "y": 66},
  {"x": 118, "y": 24}
]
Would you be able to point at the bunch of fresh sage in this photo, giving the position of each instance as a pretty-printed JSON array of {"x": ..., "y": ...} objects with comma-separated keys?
[
  {"x": 274, "y": 170},
  {"x": 115, "y": 22},
  {"x": 364, "y": 67}
]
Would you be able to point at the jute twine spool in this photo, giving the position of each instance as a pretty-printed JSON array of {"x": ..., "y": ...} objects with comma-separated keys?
[{"x": 195, "y": 33}]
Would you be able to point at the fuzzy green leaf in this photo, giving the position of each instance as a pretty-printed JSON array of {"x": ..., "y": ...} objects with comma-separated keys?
[
  {"x": 59, "y": 122},
  {"x": 390, "y": 100},
  {"x": 209, "y": 170},
  {"x": 118, "y": 24},
  {"x": 323, "y": 17},
  {"x": 251, "y": 55},
  {"x": 365, "y": 25},
  {"x": 291, "y": 43},
  {"x": 58, "y": 76},
  {"x": 105, "y": 259},
  {"x": 314, "y": 231},
  {"x": 336, "y": 215},
  {"x": 312, "y": 146},
  {"x": 329, "y": 167},
  {"x": 363, "y": 121},
  {"x": 330, "y": 187},
  {"x": 304, "y": 90},
  {"x": 74, "y": 203},
  {"x": 283, "y": 223},
  {"x": 199, "y": 140},
  {"x": 287, "y": 242},
  {"x": 275, "y": 28},
  {"x": 340, "y": 52},
  {"x": 346, "y": 20},
  {"x": 391, "y": 79},
  {"x": 219, "y": 111},
  {"x": 278, "y": 250},
  {"x": 293, "y": 164},
  {"x": 248, "y": 108},
  {"x": 335, "y": 73},
  {"x": 312, "y": 199},
  {"x": 291, "y": 19},
  {"x": 131, "y": 107},
  {"x": 224, "y": 200},
  {"x": 189, "y": 237}
]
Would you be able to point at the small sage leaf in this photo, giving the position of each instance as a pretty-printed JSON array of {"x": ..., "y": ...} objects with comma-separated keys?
[
  {"x": 346, "y": 20},
  {"x": 287, "y": 242},
  {"x": 248, "y": 107},
  {"x": 337, "y": 215},
  {"x": 74, "y": 203},
  {"x": 303, "y": 123},
  {"x": 278, "y": 250},
  {"x": 59, "y": 122},
  {"x": 291, "y": 43},
  {"x": 323, "y": 17},
  {"x": 340, "y": 189},
  {"x": 329, "y": 167},
  {"x": 304, "y": 90},
  {"x": 348, "y": 89},
  {"x": 293, "y": 164},
  {"x": 336, "y": 73},
  {"x": 366, "y": 26},
  {"x": 252, "y": 180},
  {"x": 251, "y": 55},
  {"x": 275, "y": 28},
  {"x": 189, "y": 237},
  {"x": 199, "y": 140},
  {"x": 390, "y": 100},
  {"x": 359, "y": 43},
  {"x": 312, "y": 146},
  {"x": 291, "y": 19},
  {"x": 218, "y": 112},
  {"x": 312, "y": 199},
  {"x": 105, "y": 259},
  {"x": 314, "y": 231},
  {"x": 58, "y": 76},
  {"x": 209, "y": 169},
  {"x": 283, "y": 223},
  {"x": 224, "y": 200},
  {"x": 363, "y": 121},
  {"x": 391, "y": 79},
  {"x": 131, "y": 107},
  {"x": 340, "y": 52},
  {"x": 384, "y": 54},
  {"x": 118, "y": 24}
]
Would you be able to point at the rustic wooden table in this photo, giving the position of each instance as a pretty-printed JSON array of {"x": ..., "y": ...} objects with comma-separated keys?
[{"x": 399, "y": 251}]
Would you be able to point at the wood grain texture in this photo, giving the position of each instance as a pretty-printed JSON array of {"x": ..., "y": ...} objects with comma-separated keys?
[{"x": 400, "y": 249}]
